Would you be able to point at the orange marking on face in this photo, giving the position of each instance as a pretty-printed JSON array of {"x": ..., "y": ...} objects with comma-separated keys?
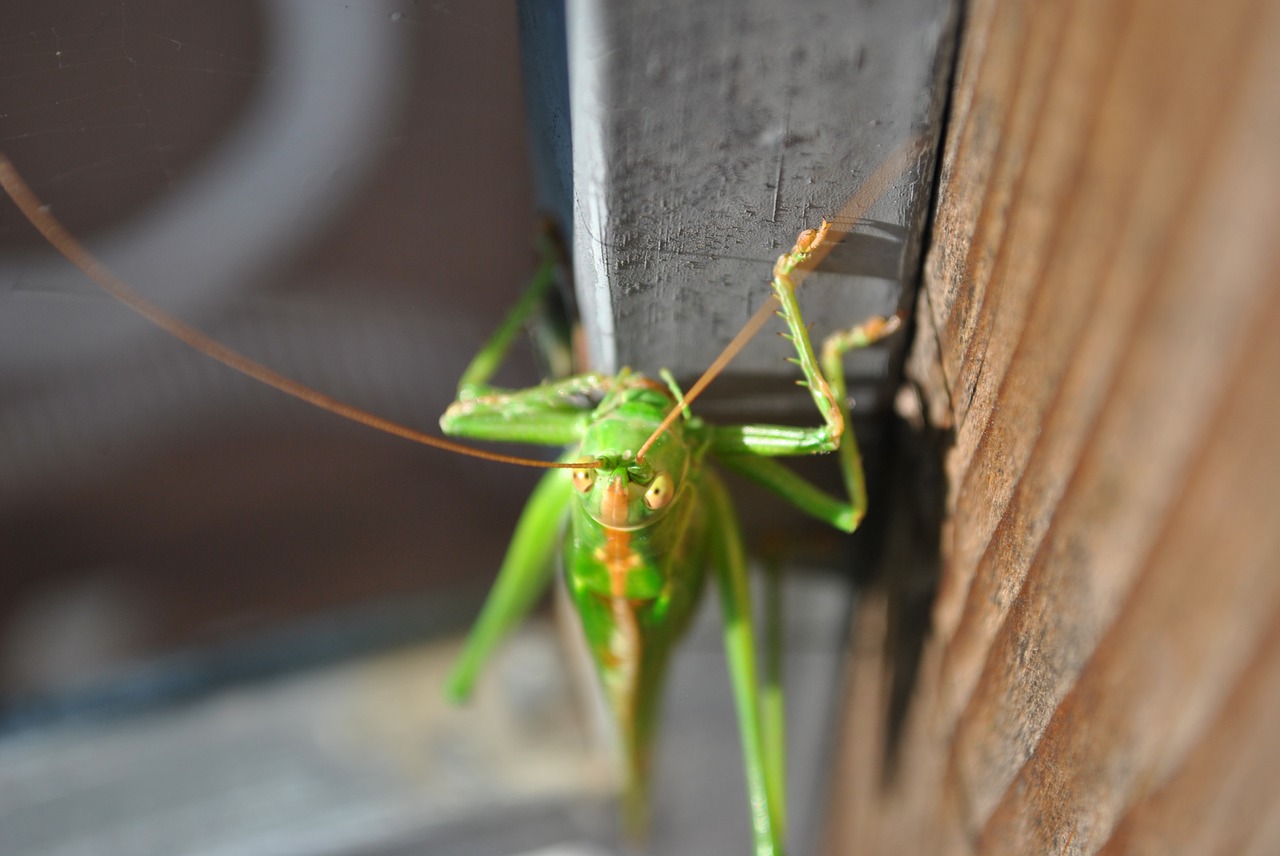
[
  {"x": 619, "y": 560},
  {"x": 614, "y": 505}
]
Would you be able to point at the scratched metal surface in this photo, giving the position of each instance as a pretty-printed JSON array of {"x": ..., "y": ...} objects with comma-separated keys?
[{"x": 707, "y": 135}]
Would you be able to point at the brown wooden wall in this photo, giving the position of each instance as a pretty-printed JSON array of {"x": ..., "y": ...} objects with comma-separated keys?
[{"x": 1100, "y": 330}]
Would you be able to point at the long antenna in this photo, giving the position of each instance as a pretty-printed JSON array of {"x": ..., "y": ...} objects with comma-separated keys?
[
  {"x": 862, "y": 199},
  {"x": 74, "y": 251}
]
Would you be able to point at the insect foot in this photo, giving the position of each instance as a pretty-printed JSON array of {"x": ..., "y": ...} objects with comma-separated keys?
[
  {"x": 860, "y": 336},
  {"x": 809, "y": 239},
  {"x": 806, "y": 242}
]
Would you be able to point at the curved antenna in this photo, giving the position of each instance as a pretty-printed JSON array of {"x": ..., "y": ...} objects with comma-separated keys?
[
  {"x": 866, "y": 194},
  {"x": 74, "y": 251}
]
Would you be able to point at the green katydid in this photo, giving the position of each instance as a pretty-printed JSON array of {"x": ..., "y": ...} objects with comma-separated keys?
[{"x": 646, "y": 517}]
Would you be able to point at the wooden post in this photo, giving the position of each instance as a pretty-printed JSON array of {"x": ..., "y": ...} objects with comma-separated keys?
[{"x": 1100, "y": 331}]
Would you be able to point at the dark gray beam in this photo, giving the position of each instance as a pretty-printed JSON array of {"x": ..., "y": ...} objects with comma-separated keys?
[{"x": 706, "y": 135}]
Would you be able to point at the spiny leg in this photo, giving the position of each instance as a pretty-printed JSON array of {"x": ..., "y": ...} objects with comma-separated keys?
[
  {"x": 746, "y": 449},
  {"x": 834, "y": 347},
  {"x": 829, "y": 400}
]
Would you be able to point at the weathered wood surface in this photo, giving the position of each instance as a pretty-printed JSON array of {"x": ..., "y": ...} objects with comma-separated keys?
[{"x": 1099, "y": 330}]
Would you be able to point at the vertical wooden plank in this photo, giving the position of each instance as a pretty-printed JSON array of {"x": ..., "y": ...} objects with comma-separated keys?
[
  {"x": 1101, "y": 299},
  {"x": 1025, "y": 317},
  {"x": 1153, "y": 371}
]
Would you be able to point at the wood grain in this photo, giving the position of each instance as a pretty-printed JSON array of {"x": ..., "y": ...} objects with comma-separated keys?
[{"x": 1099, "y": 320}]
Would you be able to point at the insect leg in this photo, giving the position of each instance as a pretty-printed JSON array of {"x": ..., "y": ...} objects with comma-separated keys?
[
  {"x": 828, "y": 391},
  {"x": 552, "y": 414},
  {"x": 526, "y": 570},
  {"x": 475, "y": 378},
  {"x": 833, "y": 350},
  {"x": 765, "y": 785},
  {"x": 773, "y": 718},
  {"x": 745, "y": 448},
  {"x": 748, "y": 449}
]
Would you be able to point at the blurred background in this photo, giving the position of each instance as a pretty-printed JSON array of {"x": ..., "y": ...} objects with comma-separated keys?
[{"x": 340, "y": 193}]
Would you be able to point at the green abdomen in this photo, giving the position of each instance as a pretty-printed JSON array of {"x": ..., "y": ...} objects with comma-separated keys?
[{"x": 631, "y": 637}]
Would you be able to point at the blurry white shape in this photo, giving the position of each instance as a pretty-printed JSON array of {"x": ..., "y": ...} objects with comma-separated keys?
[{"x": 68, "y": 633}]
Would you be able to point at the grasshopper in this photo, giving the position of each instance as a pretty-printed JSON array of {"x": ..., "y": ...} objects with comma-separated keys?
[{"x": 646, "y": 519}]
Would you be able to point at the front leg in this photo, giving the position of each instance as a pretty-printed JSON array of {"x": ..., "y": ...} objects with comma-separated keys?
[
  {"x": 551, "y": 414},
  {"x": 828, "y": 391},
  {"x": 746, "y": 448},
  {"x": 475, "y": 379},
  {"x": 548, "y": 414}
]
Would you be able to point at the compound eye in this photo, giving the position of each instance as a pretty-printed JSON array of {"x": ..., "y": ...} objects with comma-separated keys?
[
  {"x": 583, "y": 480},
  {"x": 660, "y": 491}
]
